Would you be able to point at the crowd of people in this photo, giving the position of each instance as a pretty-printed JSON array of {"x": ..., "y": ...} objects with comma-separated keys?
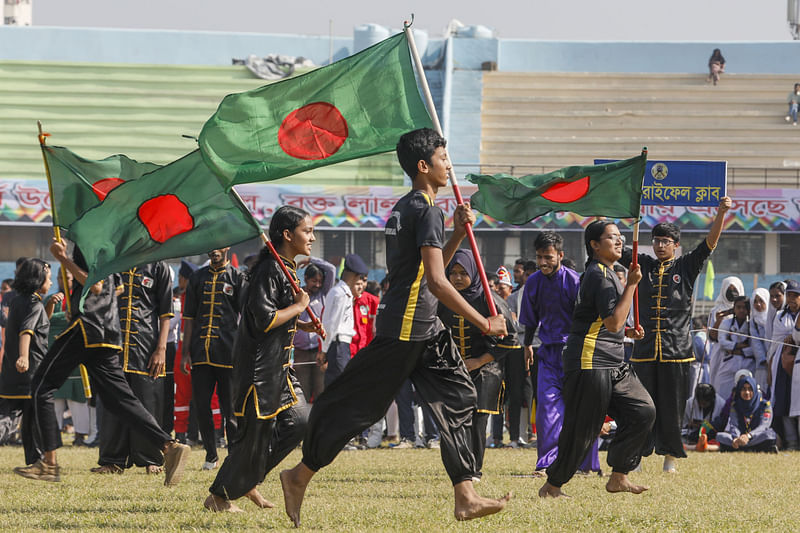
[{"x": 345, "y": 363}]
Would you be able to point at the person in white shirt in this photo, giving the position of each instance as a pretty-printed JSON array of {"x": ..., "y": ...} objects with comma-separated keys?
[{"x": 338, "y": 318}]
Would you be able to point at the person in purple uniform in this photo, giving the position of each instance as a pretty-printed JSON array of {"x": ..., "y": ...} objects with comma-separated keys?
[{"x": 548, "y": 300}]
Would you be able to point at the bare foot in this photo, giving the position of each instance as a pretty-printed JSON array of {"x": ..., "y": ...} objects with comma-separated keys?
[
  {"x": 470, "y": 505},
  {"x": 294, "y": 483},
  {"x": 256, "y": 497},
  {"x": 619, "y": 482},
  {"x": 219, "y": 505},
  {"x": 154, "y": 469},
  {"x": 549, "y": 491}
]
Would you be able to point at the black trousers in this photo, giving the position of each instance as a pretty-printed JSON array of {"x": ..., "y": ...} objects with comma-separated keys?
[
  {"x": 479, "y": 422},
  {"x": 517, "y": 388},
  {"x": 204, "y": 379},
  {"x": 360, "y": 396},
  {"x": 118, "y": 444},
  {"x": 668, "y": 386},
  {"x": 167, "y": 418},
  {"x": 108, "y": 381},
  {"x": 10, "y": 406},
  {"x": 588, "y": 396},
  {"x": 260, "y": 445},
  {"x": 338, "y": 356}
]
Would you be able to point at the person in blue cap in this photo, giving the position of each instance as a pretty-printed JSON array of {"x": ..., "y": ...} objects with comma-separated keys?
[{"x": 338, "y": 318}]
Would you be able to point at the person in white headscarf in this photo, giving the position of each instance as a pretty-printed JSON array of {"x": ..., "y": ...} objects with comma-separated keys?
[
  {"x": 759, "y": 314},
  {"x": 732, "y": 287}
]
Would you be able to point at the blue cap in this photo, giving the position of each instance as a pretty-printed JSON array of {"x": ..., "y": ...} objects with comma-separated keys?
[
  {"x": 186, "y": 269},
  {"x": 793, "y": 286},
  {"x": 354, "y": 263}
]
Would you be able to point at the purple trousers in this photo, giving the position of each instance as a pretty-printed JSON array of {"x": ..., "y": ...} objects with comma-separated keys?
[{"x": 550, "y": 409}]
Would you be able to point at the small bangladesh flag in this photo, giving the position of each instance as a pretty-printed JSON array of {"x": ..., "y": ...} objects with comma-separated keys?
[
  {"x": 80, "y": 184},
  {"x": 177, "y": 210},
  {"x": 610, "y": 190},
  {"x": 355, "y": 107}
]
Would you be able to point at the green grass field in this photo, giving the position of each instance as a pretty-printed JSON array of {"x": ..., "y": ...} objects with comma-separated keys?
[{"x": 407, "y": 490}]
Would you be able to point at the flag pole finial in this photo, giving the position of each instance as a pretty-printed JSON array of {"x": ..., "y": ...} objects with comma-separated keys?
[{"x": 408, "y": 24}]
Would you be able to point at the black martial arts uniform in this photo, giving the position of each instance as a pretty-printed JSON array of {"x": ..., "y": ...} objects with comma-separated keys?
[
  {"x": 26, "y": 316},
  {"x": 213, "y": 301},
  {"x": 92, "y": 338},
  {"x": 597, "y": 382},
  {"x": 408, "y": 343},
  {"x": 270, "y": 408},
  {"x": 488, "y": 379},
  {"x": 146, "y": 298},
  {"x": 662, "y": 359}
]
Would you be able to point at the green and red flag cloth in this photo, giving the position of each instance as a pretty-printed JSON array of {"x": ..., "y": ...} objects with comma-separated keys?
[
  {"x": 611, "y": 190},
  {"x": 177, "y": 210},
  {"x": 355, "y": 107},
  {"x": 80, "y": 184}
]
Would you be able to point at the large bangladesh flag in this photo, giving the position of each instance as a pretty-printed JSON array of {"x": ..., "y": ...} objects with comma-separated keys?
[
  {"x": 352, "y": 108},
  {"x": 80, "y": 184},
  {"x": 177, "y": 210},
  {"x": 609, "y": 190}
]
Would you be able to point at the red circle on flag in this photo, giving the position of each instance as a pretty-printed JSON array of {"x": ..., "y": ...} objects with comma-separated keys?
[
  {"x": 102, "y": 187},
  {"x": 165, "y": 216},
  {"x": 564, "y": 193},
  {"x": 314, "y": 131}
]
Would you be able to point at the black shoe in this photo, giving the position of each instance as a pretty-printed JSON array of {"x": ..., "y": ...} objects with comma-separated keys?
[{"x": 180, "y": 437}]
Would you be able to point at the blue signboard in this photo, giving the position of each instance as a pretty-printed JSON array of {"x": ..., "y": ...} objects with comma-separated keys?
[{"x": 685, "y": 183}]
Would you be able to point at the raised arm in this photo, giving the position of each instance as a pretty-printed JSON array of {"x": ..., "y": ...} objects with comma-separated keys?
[{"x": 716, "y": 227}]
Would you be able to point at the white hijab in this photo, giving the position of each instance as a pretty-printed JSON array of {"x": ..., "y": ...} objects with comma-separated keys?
[
  {"x": 722, "y": 302},
  {"x": 760, "y": 317}
]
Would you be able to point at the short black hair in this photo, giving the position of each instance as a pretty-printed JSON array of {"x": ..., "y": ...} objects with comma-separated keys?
[
  {"x": 569, "y": 263},
  {"x": 416, "y": 146},
  {"x": 530, "y": 266},
  {"x": 667, "y": 229},
  {"x": 31, "y": 275},
  {"x": 373, "y": 287},
  {"x": 492, "y": 277},
  {"x": 312, "y": 271},
  {"x": 619, "y": 268},
  {"x": 520, "y": 261},
  {"x": 546, "y": 239}
]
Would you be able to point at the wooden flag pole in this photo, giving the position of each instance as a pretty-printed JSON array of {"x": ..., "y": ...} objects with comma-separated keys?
[
  {"x": 87, "y": 389},
  {"x": 276, "y": 255},
  {"x": 453, "y": 180}
]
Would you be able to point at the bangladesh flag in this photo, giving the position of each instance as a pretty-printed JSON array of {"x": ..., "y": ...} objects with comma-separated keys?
[
  {"x": 177, "y": 210},
  {"x": 80, "y": 184},
  {"x": 610, "y": 190},
  {"x": 352, "y": 108}
]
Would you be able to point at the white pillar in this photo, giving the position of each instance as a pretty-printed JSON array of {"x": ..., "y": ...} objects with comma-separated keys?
[{"x": 771, "y": 253}]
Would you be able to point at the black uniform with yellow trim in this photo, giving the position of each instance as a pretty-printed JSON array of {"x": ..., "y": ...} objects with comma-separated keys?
[
  {"x": 409, "y": 344},
  {"x": 488, "y": 378},
  {"x": 662, "y": 359},
  {"x": 93, "y": 339},
  {"x": 213, "y": 301},
  {"x": 146, "y": 297},
  {"x": 598, "y": 382},
  {"x": 270, "y": 408},
  {"x": 26, "y": 316}
]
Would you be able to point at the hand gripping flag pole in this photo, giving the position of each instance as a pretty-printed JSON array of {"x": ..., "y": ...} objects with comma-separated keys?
[
  {"x": 87, "y": 389},
  {"x": 426, "y": 92},
  {"x": 277, "y": 257}
]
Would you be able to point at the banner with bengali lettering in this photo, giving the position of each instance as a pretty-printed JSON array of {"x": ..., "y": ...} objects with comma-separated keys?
[
  {"x": 688, "y": 183},
  {"x": 367, "y": 208}
]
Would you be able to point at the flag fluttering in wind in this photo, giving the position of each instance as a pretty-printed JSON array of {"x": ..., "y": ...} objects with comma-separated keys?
[
  {"x": 355, "y": 107},
  {"x": 177, "y": 210},
  {"x": 80, "y": 184},
  {"x": 610, "y": 190}
]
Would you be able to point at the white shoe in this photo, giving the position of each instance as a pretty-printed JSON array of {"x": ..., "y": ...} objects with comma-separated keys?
[
  {"x": 669, "y": 464},
  {"x": 788, "y": 118},
  {"x": 209, "y": 465}
]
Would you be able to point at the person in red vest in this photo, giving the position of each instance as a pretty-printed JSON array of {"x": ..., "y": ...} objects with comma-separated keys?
[{"x": 365, "y": 309}]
